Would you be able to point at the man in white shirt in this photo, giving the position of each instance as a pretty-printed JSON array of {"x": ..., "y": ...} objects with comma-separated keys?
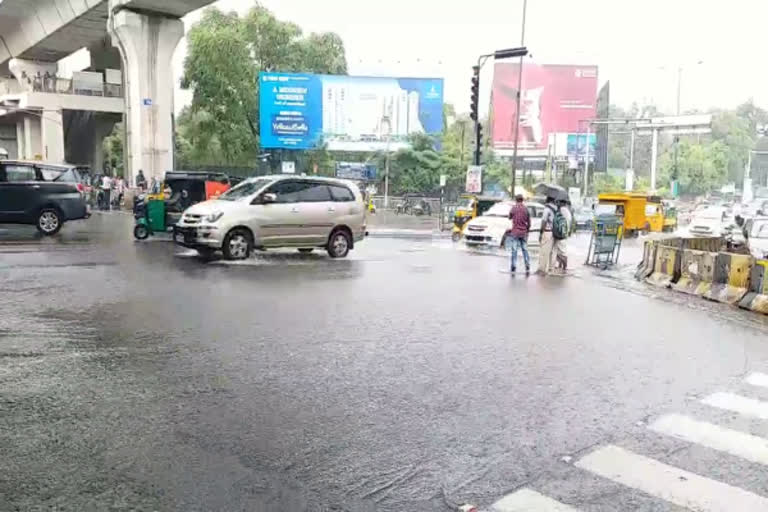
[{"x": 106, "y": 192}]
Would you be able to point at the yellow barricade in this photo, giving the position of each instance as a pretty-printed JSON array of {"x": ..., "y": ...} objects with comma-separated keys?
[
  {"x": 757, "y": 297},
  {"x": 731, "y": 278},
  {"x": 696, "y": 272},
  {"x": 645, "y": 268},
  {"x": 666, "y": 267}
]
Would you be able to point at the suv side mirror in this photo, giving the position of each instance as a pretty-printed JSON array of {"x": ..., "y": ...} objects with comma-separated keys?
[{"x": 268, "y": 198}]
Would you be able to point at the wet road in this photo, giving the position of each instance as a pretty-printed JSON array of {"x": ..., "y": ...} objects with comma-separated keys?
[{"x": 410, "y": 376}]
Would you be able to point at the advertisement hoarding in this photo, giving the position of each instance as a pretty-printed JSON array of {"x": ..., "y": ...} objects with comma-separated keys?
[
  {"x": 346, "y": 113},
  {"x": 355, "y": 171},
  {"x": 474, "y": 183},
  {"x": 554, "y": 99},
  {"x": 577, "y": 145}
]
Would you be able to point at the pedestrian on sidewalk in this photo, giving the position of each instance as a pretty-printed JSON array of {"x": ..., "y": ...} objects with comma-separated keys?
[
  {"x": 521, "y": 224},
  {"x": 141, "y": 181},
  {"x": 561, "y": 230},
  {"x": 546, "y": 242},
  {"x": 106, "y": 191},
  {"x": 119, "y": 191}
]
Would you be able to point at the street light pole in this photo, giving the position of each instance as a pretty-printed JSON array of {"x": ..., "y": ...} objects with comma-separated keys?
[{"x": 517, "y": 103}]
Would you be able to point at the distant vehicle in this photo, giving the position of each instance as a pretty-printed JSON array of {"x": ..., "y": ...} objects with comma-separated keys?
[
  {"x": 491, "y": 228},
  {"x": 276, "y": 211},
  {"x": 710, "y": 221},
  {"x": 757, "y": 231},
  {"x": 27, "y": 197},
  {"x": 584, "y": 218}
]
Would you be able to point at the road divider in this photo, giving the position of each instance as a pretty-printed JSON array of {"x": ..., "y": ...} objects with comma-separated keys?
[
  {"x": 730, "y": 281},
  {"x": 666, "y": 268},
  {"x": 696, "y": 272},
  {"x": 645, "y": 268},
  {"x": 756, "y": 298}
]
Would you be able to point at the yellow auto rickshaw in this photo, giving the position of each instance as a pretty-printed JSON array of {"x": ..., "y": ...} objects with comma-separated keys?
[
  {"x": 630, "y": 206},
  {"x": 654, "y": 215},
  {"x": 470, "y": 206}
]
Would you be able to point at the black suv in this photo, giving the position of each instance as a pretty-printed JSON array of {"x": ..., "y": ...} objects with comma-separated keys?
[{"x": 40, "y": 194}]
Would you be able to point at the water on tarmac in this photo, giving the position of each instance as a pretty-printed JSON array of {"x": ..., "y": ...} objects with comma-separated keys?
[{"x": 412, "y": 375}]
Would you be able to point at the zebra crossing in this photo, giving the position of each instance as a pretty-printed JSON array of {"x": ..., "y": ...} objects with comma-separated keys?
[{"x": 673, "y": 485}]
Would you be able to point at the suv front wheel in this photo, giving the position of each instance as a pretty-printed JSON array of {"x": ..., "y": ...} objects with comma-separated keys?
[
  {"x": 339, "y": 243},
  {"x": 237, "y": 244},
  {"x": 48, "y": 221}
]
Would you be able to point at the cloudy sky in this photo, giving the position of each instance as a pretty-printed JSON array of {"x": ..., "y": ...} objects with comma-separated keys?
[{"x": 638, "y": 44}]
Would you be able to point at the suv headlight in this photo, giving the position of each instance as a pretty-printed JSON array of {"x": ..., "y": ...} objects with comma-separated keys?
[{"x": 213, "y": 217}]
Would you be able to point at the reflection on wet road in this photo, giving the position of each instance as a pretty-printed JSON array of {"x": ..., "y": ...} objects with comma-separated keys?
[{"x": 411, "y": 376}]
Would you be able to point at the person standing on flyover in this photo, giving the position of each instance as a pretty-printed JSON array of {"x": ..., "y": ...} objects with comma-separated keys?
[
  {"x": 546, "y": 242},
  {"x": 521, "y": 223}
]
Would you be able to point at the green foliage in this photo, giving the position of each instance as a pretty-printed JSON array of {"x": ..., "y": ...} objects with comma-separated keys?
[
  {"x": 605, "y": 183},
  {"x": 701, "y": 167},
  {"x": 112, "y": 146},
  {"x": 225, "y": 54}
]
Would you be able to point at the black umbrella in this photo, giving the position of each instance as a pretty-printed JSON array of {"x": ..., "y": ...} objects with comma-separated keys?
[{"x": 556, "y": 192}]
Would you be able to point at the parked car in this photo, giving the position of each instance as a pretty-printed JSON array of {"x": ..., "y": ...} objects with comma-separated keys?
[
  {"x": 27, "y": 197},
  {"x": 491, "y": 228},
  {"x": 757, "y": 241},
  {"x": 276, "y": 211}
]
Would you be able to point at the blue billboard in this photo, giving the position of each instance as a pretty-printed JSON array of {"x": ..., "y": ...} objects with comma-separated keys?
[{"x": 346, "y": 113}]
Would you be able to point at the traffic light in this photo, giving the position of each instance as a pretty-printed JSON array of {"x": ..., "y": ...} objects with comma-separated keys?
[
  {"x": 475, "y": 93},
  {"x": 478, "y": 142}
]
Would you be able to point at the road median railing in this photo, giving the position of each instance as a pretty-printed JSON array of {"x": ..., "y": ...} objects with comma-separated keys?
[
  {"x": 696, "y": 272},
  {"x": 756, "y": 298}
]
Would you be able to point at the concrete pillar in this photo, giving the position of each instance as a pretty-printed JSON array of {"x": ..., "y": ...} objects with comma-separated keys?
[
  {"x": 52, "y": 136},
  {"x": 654, "y": 157},
  {"x": 20, "y": 144},
  {"x": 146, "y": 43},
  {"x": 32, "y": 149}
]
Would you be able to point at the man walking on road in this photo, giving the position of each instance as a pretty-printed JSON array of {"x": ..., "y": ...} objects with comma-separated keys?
[
  {"x": 106, "y": 191},
  {"x": 560, "y": 236},
  {"x": 546, "y": 242},
  {"x": 521, "y": 223}
]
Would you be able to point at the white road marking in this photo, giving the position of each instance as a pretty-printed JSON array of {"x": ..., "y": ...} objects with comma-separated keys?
[
  {"x": 526, "y": 500},
  {"x": 738, "y": 403},
  {"x": 669, "y": 483},
  {"x": 740, "y": 444},
  {"x": 758, "y": 379}
]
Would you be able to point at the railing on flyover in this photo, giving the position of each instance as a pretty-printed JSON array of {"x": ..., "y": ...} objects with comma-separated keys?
[{"x": 57, "y": 85}]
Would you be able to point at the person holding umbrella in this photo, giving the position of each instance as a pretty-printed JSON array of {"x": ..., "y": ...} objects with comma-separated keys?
[{"x": 546, "y": 241}]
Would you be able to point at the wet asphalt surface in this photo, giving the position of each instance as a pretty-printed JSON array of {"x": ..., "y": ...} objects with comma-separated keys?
[{"x": 413, "y": 375}]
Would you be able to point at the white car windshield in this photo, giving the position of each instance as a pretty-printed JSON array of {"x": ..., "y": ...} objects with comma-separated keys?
[
  {"x": 245, "y": 189},
  {"x": 710, "y": 214},
  {"x": 498, "y": 210},
  {"x": 605, "y": 209}
]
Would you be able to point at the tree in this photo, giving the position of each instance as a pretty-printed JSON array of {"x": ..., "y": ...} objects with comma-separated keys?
[
  {"x": 112, "y": 147},
  {"x": 225, "y": 54},
  {"x": 702, "y": 168}
]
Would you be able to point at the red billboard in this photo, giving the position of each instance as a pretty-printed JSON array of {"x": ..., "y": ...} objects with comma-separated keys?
[{"x": 554, "y": 99}]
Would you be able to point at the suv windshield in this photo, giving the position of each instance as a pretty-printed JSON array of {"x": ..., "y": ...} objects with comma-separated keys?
[{"x": 245, "y": 189}]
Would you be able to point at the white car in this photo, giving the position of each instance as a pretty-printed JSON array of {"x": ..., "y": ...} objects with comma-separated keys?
[
  {"x": 758, "y": 237},
  {"x": 276, "y": 211},
  {"x": 710, "y": 221},
  {"x": 490, "y": 228}
]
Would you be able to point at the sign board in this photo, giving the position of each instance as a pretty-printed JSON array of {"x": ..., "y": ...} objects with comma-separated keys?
[
  {"x": 88, "y": 81},
  {"x": 554, "y": 99},
  {"x": 574, "y": 194},
  {"x": 443, "y": 180},
  {"x": 288, "y": 167},
  {"x": 346, "y": 113},
  {"x": 474, "y": 179},
  {"x": 113, "y": 76},
  {"x": 147, "y": 102},
  {"x": 577, "y": 145},
  {"x": 355, "y": 171}
]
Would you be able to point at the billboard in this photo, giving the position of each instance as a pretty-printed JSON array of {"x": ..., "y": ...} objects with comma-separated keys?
[
  {"x": 346, "y": 113},
  {"x": 554, "y": 99},
  {"x": 577, "y": 145},
  {"x": 355, "y": 171}
]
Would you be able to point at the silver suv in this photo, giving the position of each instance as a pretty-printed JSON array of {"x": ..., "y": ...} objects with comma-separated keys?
[{"x": 276, "y": 211}]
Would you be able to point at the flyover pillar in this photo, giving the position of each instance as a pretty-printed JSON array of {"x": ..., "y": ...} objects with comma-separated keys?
[{"x": 146, "y": 42}]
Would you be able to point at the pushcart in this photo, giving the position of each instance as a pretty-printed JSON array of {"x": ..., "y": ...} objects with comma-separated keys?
[{"x": 605, "y": 243}]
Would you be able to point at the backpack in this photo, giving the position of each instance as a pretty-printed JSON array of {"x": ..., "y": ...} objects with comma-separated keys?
[{"x": 559, "y": 225}]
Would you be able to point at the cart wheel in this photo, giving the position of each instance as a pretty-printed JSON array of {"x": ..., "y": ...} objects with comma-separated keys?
[{"x": 140, "y": 232}]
